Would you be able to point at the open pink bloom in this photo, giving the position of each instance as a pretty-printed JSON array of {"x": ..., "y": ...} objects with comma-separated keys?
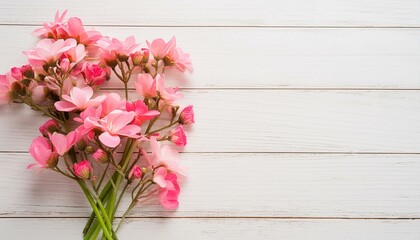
[
  {"x": 114, "y": 125},
  {"x": 94, "y": 74},
  {"x": 112, "y": 102},
  {"x": 62, "y": 143},
  {"x": 74, "y": 29},
  {"x": 42, "y": 152},
  {"x": 178, "y": 136},
  {"x": 169, "y": 94},
  {"x": 49, "y": 126},
  {"x": 165, "y": 156},
  {"x": 187, "y": 115},
  {"x": 170, "y": 54},
  {"x": 142, "y": 112},
  {"x": 83, "y": 169},
  {"x": 79, "y": 99},
  {"x": 6, "y": 82},
  {"x": 76, "y": 54},
  {"x": 48, "y": 51},
  {"x": 49, "y": 30},
  {"x": 168, "y": 196},
  {"x": 145, "y": 85},
  {"x": 135, "y": 172},
  {"x": 113, "y": 48}
]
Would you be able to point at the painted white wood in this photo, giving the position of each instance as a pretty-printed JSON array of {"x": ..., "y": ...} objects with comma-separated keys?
[
  {"x": 242, "y": 185},
  {"x": 271, "y": 57},
  {"x": 275, "y": 121},
  {"x": 209, "y": 229},
  {"x": 220, "y": 12}
]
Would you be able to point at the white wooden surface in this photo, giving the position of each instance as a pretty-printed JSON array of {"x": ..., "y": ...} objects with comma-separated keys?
[{"x": 308, "y": 120}]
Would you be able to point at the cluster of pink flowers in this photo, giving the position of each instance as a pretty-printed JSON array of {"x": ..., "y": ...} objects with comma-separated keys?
[{"x": 87, "y": 126}]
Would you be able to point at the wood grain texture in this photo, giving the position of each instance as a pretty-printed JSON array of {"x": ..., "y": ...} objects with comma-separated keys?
[
  {"x": 209, "y": 229},
  {"x": 271, "y": 57},
  {"x": 275, "y": 121},
  {"x": 242, "y": 185},
  {"x": 220, "y": 13}
]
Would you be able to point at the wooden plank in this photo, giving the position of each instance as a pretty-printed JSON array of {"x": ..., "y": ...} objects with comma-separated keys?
[
  {"x": 271, "y": 57},
  {"x": 242, "y": 185},
  {"x": 247, "y": 229},
  {"x": 275, "y": 121},
  {"x": 220, "y": 13}
]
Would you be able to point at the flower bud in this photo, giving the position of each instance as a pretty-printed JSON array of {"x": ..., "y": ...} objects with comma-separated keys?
[
  {"x": 178, "y": 136},
  {"x": 187, "y": 115},
  {"x": 49, "y": 126},
  {"x": 136, "y": 58},
  {"x": 100, "y": 156},
  {"x": 136, "y": 172},
  {"x": 83, "y": 169},
  {"x": 94, "y": 74},
  {"x": 89, "y": 150}
]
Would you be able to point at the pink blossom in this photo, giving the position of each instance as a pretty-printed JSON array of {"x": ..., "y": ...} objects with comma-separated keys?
[
  {"x": 114, "y": 48},
  {"x": 178, "y": 136},
  {"x": 6, "y": 82},
  {"x": 94, "y": 74},
  {"x": 159, "y": 48},
  {"x": 142, "y": 112},
  {"x": 83, "y": 169},
  {"x": 79, "y": 99},
  {"x": 135, "y": 172},
  {"x": 74, "y": 29},
  {"x": 165, "y": 156},
  {"x": 168, "y": 196},
  {"x": 112, "y": 102},
  {"x": 43, "y": 154},
  {"x": 114, "y": 125},
  {"x": 49, "y": 126},
  {"x": 48, "y": 51},
  {"x": 187, "y": 115},
  {"x": 140, "y": 57},
  {"x": 62, "y": 143},
  {"x": 20, "y": 73},
  {"x": 145, "y": 85},
  {"x": 49, "y": 30},
  {"x": 100, "y": 156},
  {"x": 169, "y": 94},
  {"x": 170, "y": 54}
]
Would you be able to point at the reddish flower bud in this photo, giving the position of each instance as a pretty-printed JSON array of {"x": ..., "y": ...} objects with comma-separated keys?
[
  {"x": 187, "y": 115},
  {"x": 83, "y": 169},
  {"x": 178, "y": 136}
]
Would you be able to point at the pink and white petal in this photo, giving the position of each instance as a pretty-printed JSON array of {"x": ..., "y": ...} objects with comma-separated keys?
[
  {"x": 109, "y": 140},
  {"x": 65, "y": 106}
]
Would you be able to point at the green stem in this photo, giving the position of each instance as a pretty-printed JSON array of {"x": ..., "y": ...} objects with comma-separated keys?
[{"x": 163, "y": 128}]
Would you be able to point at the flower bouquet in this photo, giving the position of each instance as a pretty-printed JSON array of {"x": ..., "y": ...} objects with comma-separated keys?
[{"x": 99, "y": 139}]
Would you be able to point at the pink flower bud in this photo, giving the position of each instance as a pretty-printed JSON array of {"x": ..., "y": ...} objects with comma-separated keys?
[
  {"x": 41, "y": 150},
  {"x": 178, "y": 136},
  {"x": 187, "y": 115},
  {"x": 49, "y": 126},
  {"x": 95, "y": 75},
  {"x": 100, "y": 156},
  {"x": 83, "y": 169},
  {"x": 136, "y": 172},
  {"x": 65, "y": 65}
]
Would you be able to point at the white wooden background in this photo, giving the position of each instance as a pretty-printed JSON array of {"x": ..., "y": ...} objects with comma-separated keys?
[{"x": 308, "y": 120}]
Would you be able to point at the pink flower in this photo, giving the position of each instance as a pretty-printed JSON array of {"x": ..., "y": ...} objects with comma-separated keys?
[
  {"x": 112, "y": 102},
  {"x": 178, "y": 136},
  {"x": 79, "y": 99},
  {"x": 62, "y": 143},
  {"x": 49, "y": 126},
  {"x": 49, "y": 30},
  {"x": 114, "y": 125},
  {"x": 75, "y": 29},
  {"x": 95, "y": 75},
  {"x": 135, "y": 172},
  {"x": 145, "y": 85},
  {"x": 20, "y": 73},
  {"x": 42, "y": 152},
  {"x": 169, "y": 94},
  {"x": 170, "y": 54},
  {"x": 100, "y": 156},
  {"x": 187, "y": 115},
  {"x": 142, "y": 112},
  {"x": 139, "y": 57},
  {"x": 6, "y": 82},
  {"x": 165, "y": 156},
  {"x": 168, "y": 196},
  {"x": 83, "y": 169},
  {"x": 48, "y": 51},
  {"x": 114, "y": 48}
]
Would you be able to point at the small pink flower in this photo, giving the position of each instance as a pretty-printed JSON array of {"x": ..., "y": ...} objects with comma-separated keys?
[
  {"x": 139, "y": 57},
  {"x": 187, "y": 115},
  {"x": 114, "y": 48},
  {"x": 6, "y": 82},
  {"x": 49, "y": 30},
  {"x": 170, "y": 54},
  {"x": 168, "y": 196},
  {"x": 100, "y": 156},
  {"x": 62, "y": 143},
  {"x": 42, "y": 152},
  {"x": 112, "y": 102},
  {"x": 164, "y": 156},
  {"x": 135, "y": 172},
  {"x": 142, "y": 112},
  {"x": 159, "y": 48},
  {"x": 49, "y": 126},
  {"x": 114, "y": 125},
  {"x": 83, "y": 169},
  {"x": 94, "y": 74},
  {"x": 145, "y": 85},
  {"x": 79, "y": 99},
  {"x": 20, "y": 73},
  {"x": 48, "y": 51},
  {"x": 178, "y": 136},
  {"x": 169, "y": 94}
]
